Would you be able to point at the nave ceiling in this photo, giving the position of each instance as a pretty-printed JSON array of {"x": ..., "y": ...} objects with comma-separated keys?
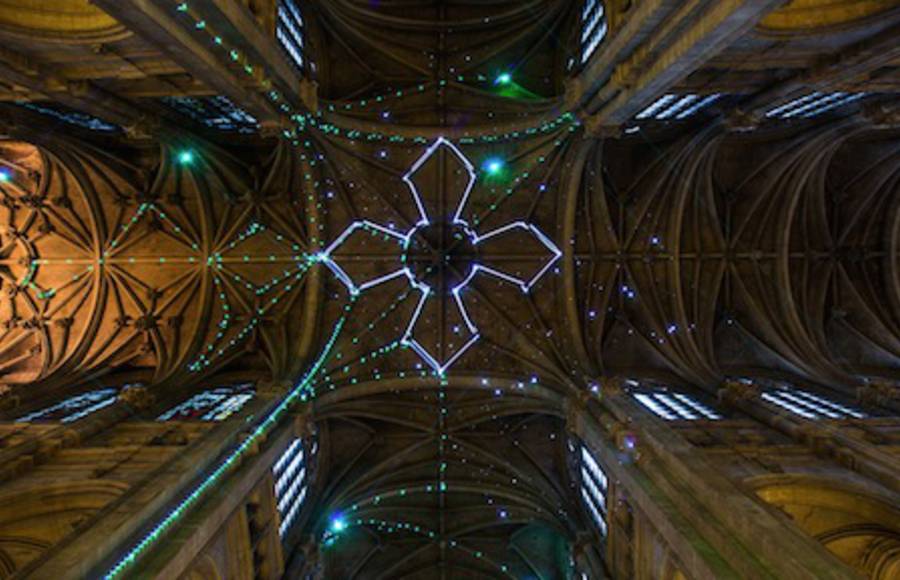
[{"x": 686, "y": 253}]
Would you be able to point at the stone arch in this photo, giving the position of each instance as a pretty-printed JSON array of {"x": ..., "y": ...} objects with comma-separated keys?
[
  {"x": 60, "y": 21},
  {"x": 818, "y": 16},
  {"x": 204, "y": 569},
  {"x": 858, "y": 524},
  {"x": 33, "y": 520}
]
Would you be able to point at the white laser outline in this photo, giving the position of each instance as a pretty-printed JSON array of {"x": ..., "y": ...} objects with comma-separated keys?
[{"x": 424, "y": 289}]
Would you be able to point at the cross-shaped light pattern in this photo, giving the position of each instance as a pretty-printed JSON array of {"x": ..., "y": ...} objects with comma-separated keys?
[{"x": 425, "y": 290}]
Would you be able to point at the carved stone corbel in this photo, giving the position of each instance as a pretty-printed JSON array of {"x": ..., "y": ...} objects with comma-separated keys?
[
  {"x": 741, "y": 121},
  {"x": 597, "y": 128},
  {"x": 138, "y": 397},
  {"x": 309, "y": 92},
  {"x": 882, "y": 115},
  {"x": 733, "y": 392},
  {"x": 575, "y": 408},
  {"x": 877, "y": 392},
  {"x": 7, "y": 399}
]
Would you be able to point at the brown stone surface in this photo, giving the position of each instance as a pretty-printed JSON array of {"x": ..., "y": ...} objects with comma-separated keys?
[{"x": 172, "y": 255}]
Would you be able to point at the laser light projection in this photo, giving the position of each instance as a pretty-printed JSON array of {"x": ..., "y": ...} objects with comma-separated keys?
[{"x": 418, "y": 280}]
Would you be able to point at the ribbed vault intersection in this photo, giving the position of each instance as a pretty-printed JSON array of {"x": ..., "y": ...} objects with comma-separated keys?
[{"x": 435, "y": 258}]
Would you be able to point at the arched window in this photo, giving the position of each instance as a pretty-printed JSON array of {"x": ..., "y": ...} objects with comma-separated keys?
[
  {"x": 859, "y": 526},
  {"x": 803, "y": 403},
  {"x": 675, "y": 107},
  {"x": 291, "y": 483},
  {"x": 75, "y": 407},
  {"x": 62, "y": 113},
  {"x": 594, "y": 487},
  {"x": 212, "y": 404},
  {"x": 34, "y": 519},
  {"x": 215, "y": 113},
  {"x": 290, "y": 32},
  {"x": 813, "y": 104},
  {"x": 670, "y": 405},
  {"x": 593, "y": 28}
]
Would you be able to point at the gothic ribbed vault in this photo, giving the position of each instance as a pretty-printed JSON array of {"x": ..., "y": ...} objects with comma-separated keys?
[{"x": 452, "y": 226}]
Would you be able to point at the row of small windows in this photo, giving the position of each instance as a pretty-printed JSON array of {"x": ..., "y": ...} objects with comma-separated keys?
[
  {"x": 680, "y": 106},
  {"x": 674, "y": 406},
  {"x": 594, "y": 489},
  {"x": 593, "y": 28},
  {"x": 813, "y": 104},
  {"x": 74, "y": 408},
  {"x": 215, "y": 404},
  {"x": 220, "y": 403},
  {"x": 291, "y": 486},
  {"x": 211, "y": 405},
  {"x": 677, "y": 106},
  {"x": 214, "y": 112},
  {"x": 809, "y": 405},
  {"x": 218, "y": 113},
  {"x": 290, "y": 32},
  {"x": 64, "y": 114}
]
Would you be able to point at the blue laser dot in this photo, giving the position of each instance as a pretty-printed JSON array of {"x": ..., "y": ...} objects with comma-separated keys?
[
  {"x": 186, "y": 157},
  {"x": 503, "y": 79},
  {"x": 493, "y": 166}
]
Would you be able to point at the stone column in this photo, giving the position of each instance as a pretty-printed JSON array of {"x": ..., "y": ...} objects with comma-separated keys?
[{"x": 713, "y": 528}]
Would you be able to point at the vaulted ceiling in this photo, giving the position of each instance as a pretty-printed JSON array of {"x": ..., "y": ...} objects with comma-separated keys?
[{"x": 685, "y": 252}]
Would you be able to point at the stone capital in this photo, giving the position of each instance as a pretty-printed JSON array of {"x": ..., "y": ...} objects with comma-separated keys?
[
  {"x": 882, "y": 115},
  {"x": 741, "y": 121},
  {"x": 595, "y": 126},
  {"x": 576, "y": 407},
  {"x": 273, "y": 388},
  {"x": 733, "y": 391},
  {"x": 877, "y": 392},
  {"x": 309, "y": 92},
  {"x": 138, "y": 397}
]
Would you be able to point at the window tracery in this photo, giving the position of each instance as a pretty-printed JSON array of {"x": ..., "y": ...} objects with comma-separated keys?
[
  {"x": 801, "y": 402},
  {"x": 671, "y": 405},
  {"x": 72, "y": 117},
  {"x": 809, "y": 405},
  {"x": 217, "y": 112},
  {"x": 593, "y": 28},
  {"x": 813, "y": 104},
  {"x": 291, "y": 483},
  {"x": 594, "y": 488},
  {"x": 215, "y": 404},
  {"x": 675, "y": 106},
  {"x": 290, "y": 32},
  {"x": 75, "y": 407}
]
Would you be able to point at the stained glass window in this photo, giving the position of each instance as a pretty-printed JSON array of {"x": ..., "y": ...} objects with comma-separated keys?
[
  {"x": 71, "y": 116},
  {"x": 593, "y": 28},
  {"x": 74, "y": 408},
  {"x": 214, "y": 112},
  {"x": 594, "y": 486},
  {"x": 290, "y": 484},
  {"x": 212, "y": 404}
]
